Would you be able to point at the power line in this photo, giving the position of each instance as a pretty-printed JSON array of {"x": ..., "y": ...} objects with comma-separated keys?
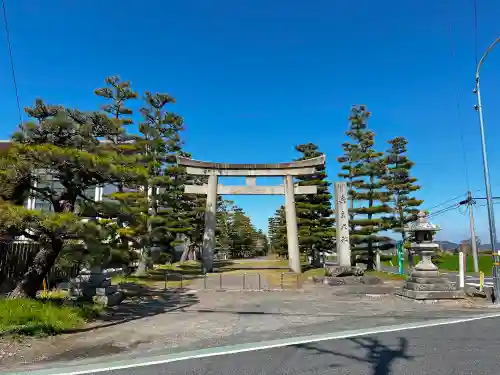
[
  {"x": 448, "y": 201},
  {"x": 475, "y": 31},
  {"x": 457, "y": 98},
  {"x": 9, "y": 46},
  {"x": 446, "y": 209}
]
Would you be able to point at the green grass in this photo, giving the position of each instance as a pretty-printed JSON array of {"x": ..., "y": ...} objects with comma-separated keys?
[
  {"x": 32, "y": 317},
  {"x": 177, "y": 276},
  {"x": 449, "y": 262}
]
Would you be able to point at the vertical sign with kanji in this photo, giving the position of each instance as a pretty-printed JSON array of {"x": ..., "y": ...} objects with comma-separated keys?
[{"x": 342, "y": 223}]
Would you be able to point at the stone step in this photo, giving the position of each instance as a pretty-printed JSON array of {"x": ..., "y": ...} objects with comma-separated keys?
[
  {"x": 430, "y": 295},
  {"x": 109, "y": 300},
  {"x": 424, "y": 274},
  {"x": 429, "y": 280},
  {"x": 105, "y": 291},
  {"x": 429, "y": 287}
]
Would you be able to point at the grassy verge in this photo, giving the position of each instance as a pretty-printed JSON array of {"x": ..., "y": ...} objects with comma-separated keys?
[
  {"x": 449, "y": 262},
  {"x": 45, "y": 316},
  {"x": 177, "y": 275}
]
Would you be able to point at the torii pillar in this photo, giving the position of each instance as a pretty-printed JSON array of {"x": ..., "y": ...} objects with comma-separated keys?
[{"x": 251, "y": 172}]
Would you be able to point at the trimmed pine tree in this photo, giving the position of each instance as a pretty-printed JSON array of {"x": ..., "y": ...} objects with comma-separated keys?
[
  {"x": 368, "y": 193},
  {"x": 314, "y": 211},
  {"x": 401, "y": 185}
]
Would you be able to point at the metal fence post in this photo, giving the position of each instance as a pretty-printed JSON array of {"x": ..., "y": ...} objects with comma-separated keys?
[
  {"x": 220, "y": 281},
  {"x": 166, "y": 280},
  {"x": 205, "y": 281},
  {"x": 182, "y": 279},
  {"x": 297, "y": 281},
  {"x": 259, "y": 280},
  {"x": 281, "y": 281},
  {"x": 244, "y": 280}
]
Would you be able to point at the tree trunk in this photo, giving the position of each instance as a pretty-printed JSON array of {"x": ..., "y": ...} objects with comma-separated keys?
[
  {"x": 44, "y": 260},
  {"x": 142, "y": 268},
  {"x": 186, "y": 251},
  {"x": 371, "y": 253}
]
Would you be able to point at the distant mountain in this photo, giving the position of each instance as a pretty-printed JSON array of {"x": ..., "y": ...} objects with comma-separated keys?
[
  {"x": 487, "y": 246},
  {"x": 447, "y": 245}
]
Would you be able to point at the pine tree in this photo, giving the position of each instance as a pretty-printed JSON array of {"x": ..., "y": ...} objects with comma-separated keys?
[
  {"x": 400, "y": 184},
  {"x": 348, "y": 162},
  {"x": 223, "y": 234},
  {"x": 122, "y": 211},
  {"x": 118, "y": 92},
  {"x": 314, "y": 211},
  {"x": 367, "y": 172},
  {"x": 194, "y": 206},
  {"x": 169, "y": 211},
  {"x": 277, "y": 232},
  {"x": 61, "y": 153},
  {"x": 18, "y": 192}
]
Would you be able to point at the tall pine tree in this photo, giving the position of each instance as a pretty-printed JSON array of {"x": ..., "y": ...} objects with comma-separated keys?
[
  {"x": 368, "y": 191},
  {"x": 117, "y": 92},
  {"x": 170, "y": 212},
  {"x": 61, "y": 153},
  {"x": 277, "y": 232},
  {"x": 401, "y": 185},
  {"x": 314, "y": 211},
  {"x": 122, "y": 210}
]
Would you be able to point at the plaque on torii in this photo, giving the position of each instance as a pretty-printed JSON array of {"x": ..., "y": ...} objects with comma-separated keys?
[{"x": 251, "y": 171}]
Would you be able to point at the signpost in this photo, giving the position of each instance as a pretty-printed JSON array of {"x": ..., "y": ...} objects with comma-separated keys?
[{"x": 400, "y": 257}]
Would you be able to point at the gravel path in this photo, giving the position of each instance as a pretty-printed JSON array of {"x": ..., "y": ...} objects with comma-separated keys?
[{"x": 185, "y": 320}]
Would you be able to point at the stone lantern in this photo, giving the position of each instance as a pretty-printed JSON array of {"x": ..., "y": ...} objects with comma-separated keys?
[{"x": 425, "y": 282}]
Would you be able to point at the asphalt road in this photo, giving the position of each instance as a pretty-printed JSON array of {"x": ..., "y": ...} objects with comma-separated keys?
[
  {"x": 471, "y": 347},
  {"x": 465, "y": 348}
]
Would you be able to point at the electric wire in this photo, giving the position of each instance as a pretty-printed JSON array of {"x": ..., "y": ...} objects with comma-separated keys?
[
  {"x": 457, "y": 98},
  {"x": 476, "y": 32},
  {"x": 448, "y": 201},
  {"x": 443, "y": 210},
  {"x": 12, "y": 67}
]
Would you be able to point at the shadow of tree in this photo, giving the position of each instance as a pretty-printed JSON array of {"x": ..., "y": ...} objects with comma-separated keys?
[
  {"x": 141, "y": 302},
  {"x": 378, "y": 355}
]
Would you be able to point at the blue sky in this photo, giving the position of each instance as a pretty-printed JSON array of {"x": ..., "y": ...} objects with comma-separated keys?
[{"x": 254, "y": 78}]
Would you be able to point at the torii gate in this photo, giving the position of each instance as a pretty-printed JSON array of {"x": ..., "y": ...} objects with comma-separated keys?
[{"x": 251, "y": 172}]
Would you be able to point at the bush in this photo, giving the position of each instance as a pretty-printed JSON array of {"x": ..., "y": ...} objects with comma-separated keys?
[{"x": 42, "y": 317}]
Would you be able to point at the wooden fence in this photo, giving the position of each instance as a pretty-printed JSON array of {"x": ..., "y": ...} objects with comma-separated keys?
[{"x": 15, "y": 259}]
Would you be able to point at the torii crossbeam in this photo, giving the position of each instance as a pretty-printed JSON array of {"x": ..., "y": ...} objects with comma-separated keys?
[{"x": 251, "y": 172}]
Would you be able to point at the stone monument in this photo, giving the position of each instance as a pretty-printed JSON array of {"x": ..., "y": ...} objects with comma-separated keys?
[
  {"x": 95, "y": 285},
  {"x": 425, "y": 282},
  {"x": 342, "y": 225},
  {"x": 287, "y": 171},
  {"x": 343, "y": 267}
]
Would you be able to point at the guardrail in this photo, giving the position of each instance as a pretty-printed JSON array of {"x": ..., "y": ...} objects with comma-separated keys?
[{"x": 248, "y": 281}]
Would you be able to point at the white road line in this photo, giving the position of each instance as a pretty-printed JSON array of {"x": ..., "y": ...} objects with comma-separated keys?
[{"x": 242, "y": 348}]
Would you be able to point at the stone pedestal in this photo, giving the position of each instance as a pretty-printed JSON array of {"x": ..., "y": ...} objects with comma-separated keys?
[
  {"x": 342, "y": 271},
  {"x": 425, "y": 283},
  {"x": 96, "y": 287}
]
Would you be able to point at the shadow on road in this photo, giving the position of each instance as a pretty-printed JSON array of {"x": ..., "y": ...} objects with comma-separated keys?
[
  {"x": 141, "y": 302},
  {"x": 377, "y": 354}
]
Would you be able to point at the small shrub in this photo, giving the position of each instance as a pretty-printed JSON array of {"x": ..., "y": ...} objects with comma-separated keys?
[{"x": 42, "y": 317}]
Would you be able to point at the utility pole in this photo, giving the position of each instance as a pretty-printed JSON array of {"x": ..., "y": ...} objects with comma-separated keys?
[
  {"x": 473, "y": 243},
  {"x": 491, "y": 214}
]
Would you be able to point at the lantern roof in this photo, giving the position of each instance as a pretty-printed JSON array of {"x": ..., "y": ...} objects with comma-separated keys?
[{"x": 422, "y": 224}]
